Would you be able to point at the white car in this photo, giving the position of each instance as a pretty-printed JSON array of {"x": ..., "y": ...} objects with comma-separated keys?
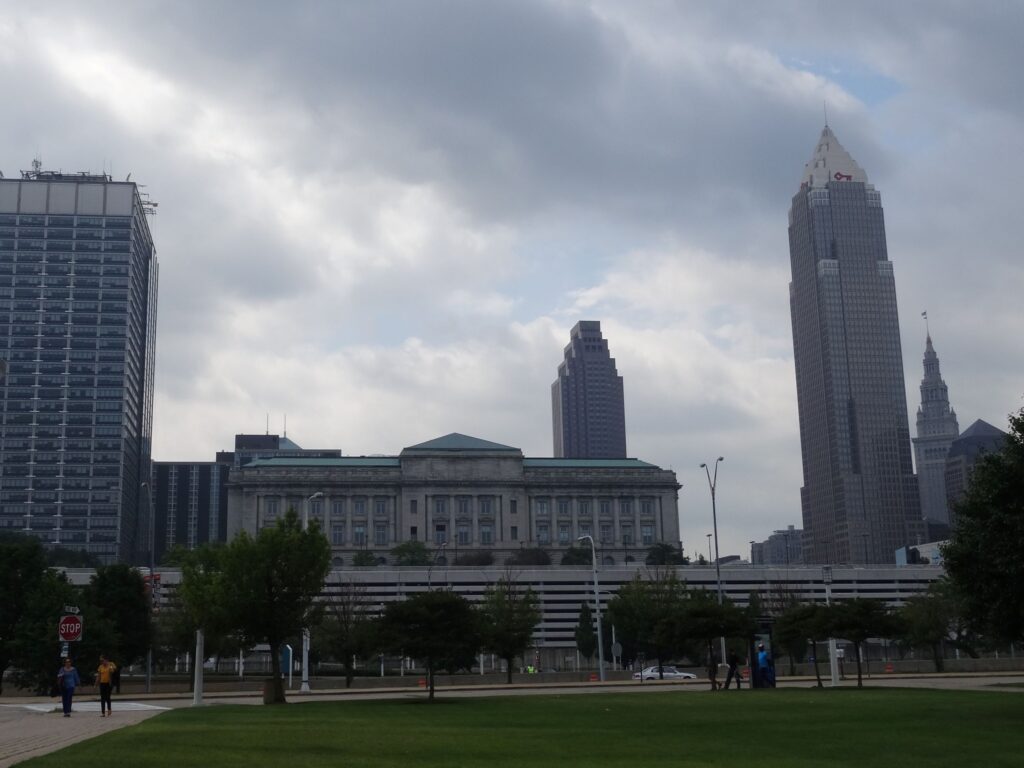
[{"x": 671, "y": 673}]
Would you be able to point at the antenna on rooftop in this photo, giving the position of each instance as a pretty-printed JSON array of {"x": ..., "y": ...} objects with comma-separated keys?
[
  {"x": 37, "y": 164},
  {"x": 286, "y": 425},
  {"x": 268, "y": 422},
  {"x": 824, "y": 107}
]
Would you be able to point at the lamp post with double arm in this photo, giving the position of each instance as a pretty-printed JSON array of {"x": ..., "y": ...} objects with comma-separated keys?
[
  {"x": 712, "y": 484},
  {"x": 597, "y": 605}
]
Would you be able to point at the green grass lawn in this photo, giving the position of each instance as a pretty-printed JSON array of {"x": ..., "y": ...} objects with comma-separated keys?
[{"x": 820, "y": 728}]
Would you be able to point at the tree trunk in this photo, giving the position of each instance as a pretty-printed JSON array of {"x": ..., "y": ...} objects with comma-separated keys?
[
  {"x": 430, "y": 679},
  {"x": 350, "y": 672},
  {"x": 856, "y": 650},
  {"x": 275, "y": 672},
  {"x": 937, "y": 656},
  {"x": 817, "y": 669},
  {"x": 508, "y": 669}
]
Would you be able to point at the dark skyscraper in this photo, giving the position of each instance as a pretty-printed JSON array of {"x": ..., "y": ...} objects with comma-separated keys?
[
  {"x": 587, "y": 406},
  {"x": 937, "y": 428},
  {"x": 78, "y": 285},
  {"x": 859, "y": 497}
]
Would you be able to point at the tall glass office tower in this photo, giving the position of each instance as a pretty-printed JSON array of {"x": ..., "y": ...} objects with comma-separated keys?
[
  {"x": 859, "y": 497},
  {"x": 588, "y": 410},
  {"x": 78, "y": 290}
]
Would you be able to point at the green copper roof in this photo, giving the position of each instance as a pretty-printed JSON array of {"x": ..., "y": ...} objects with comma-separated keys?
[
  {"x": 344, "y": 461},
  {"x": 588, "y": 463},
  {"x": 457, "y": 442}
]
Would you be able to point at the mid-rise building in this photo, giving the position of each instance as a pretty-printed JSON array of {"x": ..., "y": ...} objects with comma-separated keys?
[
  {"x": 977, "y": 440},
  {"x": 859, "y": 497},
  {"x": 463, "y": 494},
  {"x": 782, "y": 548},
  {"x": 937, "y": 428},
  {"x": 78, "y": 296},
  {"x": 190, "y": 504},
  {"x": 588, "y": 409}
]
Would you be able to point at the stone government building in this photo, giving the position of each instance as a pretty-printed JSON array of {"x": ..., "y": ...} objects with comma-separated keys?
[{"x": 467, "y": 494}]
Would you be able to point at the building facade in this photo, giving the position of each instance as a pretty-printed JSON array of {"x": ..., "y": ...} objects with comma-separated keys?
[
  {"x": 588, "y": 411},
  {"x": 78, "y": 295},
  {"x": 859, "y": 498},
  {"x": 937, "y": 428},
  {"x": 461, "y": 494},
  {"x": 190, "y": 504},
  {"x": 977, "y": 440}
]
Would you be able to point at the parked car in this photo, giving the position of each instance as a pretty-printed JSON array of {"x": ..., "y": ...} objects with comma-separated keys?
[{"x": 671, "y": 673}]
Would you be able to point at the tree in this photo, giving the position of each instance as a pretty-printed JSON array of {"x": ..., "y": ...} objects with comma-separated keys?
[
  {"x": 349, "y": 629},
  {"x": 439, "y": 628},
  {"x": 270, "y": 583},
  {"x": 803, "y": 623},
  {"x": 983, "y": 556},
  {"x": 859, "y": 619},
  {"x": 529, "y": 557},
  {"x": 479, "y": 557},
  {"x": 22, "y": 566},
  {"x": 586, "y": 637},
  {"x": 700, "y": 617},
  {"x": 647, "y": 615},
  {"x": 578, "y": 556},
  {"x": 119, "y": 593},
  {"x": 665, "y": 554},
  {"x": 509, "y": 618},
  {"x": 364, "y": 559},
  {"x": 411, "y": 553},
  {"x": 923, "y": 622}
]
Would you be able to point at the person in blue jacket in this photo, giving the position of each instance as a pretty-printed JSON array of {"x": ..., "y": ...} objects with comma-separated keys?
[{"x": 67, "y": 681}]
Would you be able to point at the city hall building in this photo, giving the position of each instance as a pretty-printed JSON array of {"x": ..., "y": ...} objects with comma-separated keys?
[{"x": 460, "y": 494}]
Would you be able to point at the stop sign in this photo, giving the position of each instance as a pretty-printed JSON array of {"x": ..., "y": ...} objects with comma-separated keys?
[{"x": 69, "y": 629}]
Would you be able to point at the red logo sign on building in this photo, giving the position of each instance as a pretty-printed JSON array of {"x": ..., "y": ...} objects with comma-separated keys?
[{"x": 69, "y": 629}]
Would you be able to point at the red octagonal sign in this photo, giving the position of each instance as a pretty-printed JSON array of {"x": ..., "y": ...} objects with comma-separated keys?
[{"x": 69, "y": 629}]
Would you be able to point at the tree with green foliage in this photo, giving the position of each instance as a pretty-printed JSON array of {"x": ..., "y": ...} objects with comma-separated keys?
[
  {"x": 700, "y": 617},
  {"x": 859, "y": 619},
  {"x": 65, "y": 557},
  {"x": 645, "y": 613},
  {"x": 22, "y": 567},
  {"x": 270, "y": 583},
  {"x": 349, "y": 627},
  {"x": 529, "y": 556},
  {"x": 665, "y": 554},
  {"x": 479, "y": 558},
  {"x": 364, "y": 558},
  {"x": 509, "y": 615},
  {"x": 802, "y": 623},
  {"x": 439, "y": 628},
  {"x": 412, "y": 553},
  {"x": 120, "y": 594},
  {"x": 586, "y": 637},
  {"x": 983, "y": 556},
  {"x": 923, "y": 623},
  {"x": 578, "y": 556}
]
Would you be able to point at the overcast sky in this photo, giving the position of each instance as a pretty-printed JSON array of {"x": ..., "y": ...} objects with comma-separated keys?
[{"x": 383, "y": 218}]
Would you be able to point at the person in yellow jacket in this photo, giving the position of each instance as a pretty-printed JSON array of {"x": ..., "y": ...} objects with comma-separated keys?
[{"x": 105, "y": 677}]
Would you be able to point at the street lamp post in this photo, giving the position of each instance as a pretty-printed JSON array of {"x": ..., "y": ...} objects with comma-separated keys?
[
  {"x": 304, "y": 688},
  {"x": 433, "y": 562},
  {"x": 709, "y": 548},
  {"x": 712, "y": 483},
  {"x": 833, "y": 662},
  {"x": 597, "y": 605}
]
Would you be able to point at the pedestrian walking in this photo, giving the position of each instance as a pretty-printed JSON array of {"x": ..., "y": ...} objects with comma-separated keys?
[
  {"x": 67, "y": 681},
  {"x": 734, "y": 663},
  {"x": 105, "y": 677}
]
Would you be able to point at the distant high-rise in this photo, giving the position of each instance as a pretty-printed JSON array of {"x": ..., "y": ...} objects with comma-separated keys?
[
  {"x": 78, "y": 291},
  {"x": 936, "y": 430},
  {"x": 587, "y": 405},
  {"x": 859, "y": 497}
]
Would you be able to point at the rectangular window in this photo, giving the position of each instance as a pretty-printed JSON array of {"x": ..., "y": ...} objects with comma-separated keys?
[
  {"x": 380, "y": 534},
  {"x": 338, "y": 508},
  {"x": 271, "y": 510},
  {"x": 486, "y": 534},
  {"x": 462, "y": 505},
  {"x": 605, "y": 507},
  {"x": 440, "y": 534},
  {"x": 462, "y": 534},
  {"x": 380, "y": 507},
  {"x": 359, "y": 534},
  {"x": 647, "y": 507},
  {"x": 606, "y": 533},
  {"x": 627, "y": 533},
  {"x": 512, "y": 506},
  {"x": 486, "y": 505},
  {"x": 626, "y": 507},
  {"x": 337, "y": 534},
  {"x": 412, "y": 533},
  {"x": 543, "y": 507},
  {"x": 543, "y": 534},
  {"x": 583, "y": 505},
  {"x": 513, "y": 533},
  {"x": 585, "y": 529},
  {"x": 563, "y": 507},
  {"x": 563, "y": 535},
  {"x": 412, "y": 506},
  {"x": 647, "y": 533},
  {"x": 440, "y": 507},
  {"x": 316, "y": 511},
  {"x": 359, "y": 507}
]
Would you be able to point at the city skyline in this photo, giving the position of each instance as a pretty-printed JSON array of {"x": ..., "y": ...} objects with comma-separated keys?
[{"x": 384, "y": 224}]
